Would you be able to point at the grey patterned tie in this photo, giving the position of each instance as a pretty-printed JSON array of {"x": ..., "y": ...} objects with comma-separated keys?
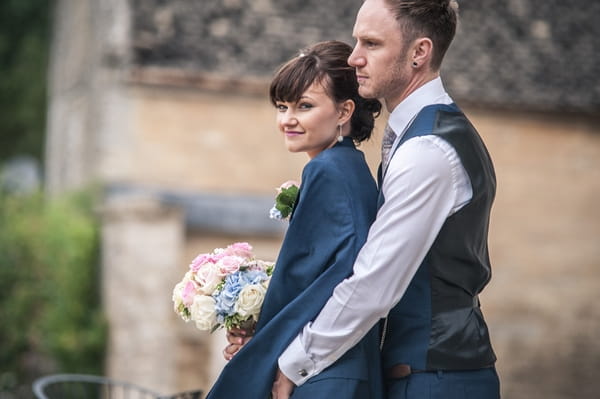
[{"x": 386, "y": 145}]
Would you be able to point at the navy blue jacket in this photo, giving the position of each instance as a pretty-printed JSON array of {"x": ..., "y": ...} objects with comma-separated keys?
[{"x": 336, "y": 204}]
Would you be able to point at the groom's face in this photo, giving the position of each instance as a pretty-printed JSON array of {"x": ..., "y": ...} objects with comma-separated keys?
[{"x": 379, "y": 56}]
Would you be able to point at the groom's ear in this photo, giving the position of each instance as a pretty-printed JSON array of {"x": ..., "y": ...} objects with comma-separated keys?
[
  {"x": 346, "y": 110},
  {"x": 422, "y": 51}
]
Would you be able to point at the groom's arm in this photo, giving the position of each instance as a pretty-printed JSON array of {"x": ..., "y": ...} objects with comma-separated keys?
[{"x": 419, "y": 197}]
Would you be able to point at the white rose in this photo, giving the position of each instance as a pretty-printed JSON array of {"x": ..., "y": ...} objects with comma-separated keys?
[
  {"x": 203, "y": 312},
  {"x": 178, "y": 303},
  {"x": 208, "y": 276},
  {"x": 177, "y": 299},
  {"x": 250, "y": 300},
  {"x": 265, "y": 283}
]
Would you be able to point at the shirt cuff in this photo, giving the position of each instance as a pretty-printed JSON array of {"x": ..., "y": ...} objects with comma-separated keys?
[{"x": 296, "y": 364}]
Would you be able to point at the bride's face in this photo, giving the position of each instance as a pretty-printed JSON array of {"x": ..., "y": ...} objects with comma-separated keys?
[{"x": 309, "y": 124}]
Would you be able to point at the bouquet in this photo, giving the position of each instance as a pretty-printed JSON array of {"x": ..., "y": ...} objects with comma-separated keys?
[
  {"x": 285, "y": 200},
  {"x": 223, "y": 288}
]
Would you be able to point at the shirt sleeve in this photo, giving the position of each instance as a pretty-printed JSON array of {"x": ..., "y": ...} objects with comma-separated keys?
[{"x": 420, "y": 190}]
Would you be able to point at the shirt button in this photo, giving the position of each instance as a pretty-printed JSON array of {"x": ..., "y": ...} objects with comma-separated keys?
[{"x": 303, "y": 373}]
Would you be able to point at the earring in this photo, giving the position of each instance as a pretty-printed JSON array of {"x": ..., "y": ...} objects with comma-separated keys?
[
  {"x": 340, "y": 138},
  {"x": 414, "y": 64}
]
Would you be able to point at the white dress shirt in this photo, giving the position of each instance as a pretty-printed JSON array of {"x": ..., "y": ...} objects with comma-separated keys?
[{"x": 425, "y": 183}]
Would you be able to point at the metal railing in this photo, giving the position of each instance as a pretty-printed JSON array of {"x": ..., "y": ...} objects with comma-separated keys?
[{"x": 83, "y": 386}]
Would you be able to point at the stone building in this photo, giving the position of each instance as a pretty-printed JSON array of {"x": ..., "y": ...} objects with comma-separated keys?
[{"x": 164, "y": 103}]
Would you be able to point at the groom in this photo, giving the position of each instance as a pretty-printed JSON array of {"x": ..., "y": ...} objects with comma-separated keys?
[{"x": 426, "y": 257}]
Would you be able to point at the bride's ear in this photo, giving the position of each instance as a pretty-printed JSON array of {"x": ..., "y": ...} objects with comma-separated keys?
[{"x": 346, "y": 109}]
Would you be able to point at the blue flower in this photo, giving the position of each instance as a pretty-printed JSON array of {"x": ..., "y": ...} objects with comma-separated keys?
[
  {"x": 228, "y": 295},
  {"x": 274, "y": 213},
  {"x": 252, "y": 277}
]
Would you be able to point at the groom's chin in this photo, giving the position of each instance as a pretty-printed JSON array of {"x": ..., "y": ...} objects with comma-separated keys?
[{"x": 366, "y": 92}]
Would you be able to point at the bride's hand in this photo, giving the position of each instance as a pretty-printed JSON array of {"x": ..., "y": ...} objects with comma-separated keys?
[
  {"x": 282, "y": 387},
  {"x": 237, "y": 338}
]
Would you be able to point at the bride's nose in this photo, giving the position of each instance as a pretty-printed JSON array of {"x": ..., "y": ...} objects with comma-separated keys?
[{"x": 288, "y": 118}]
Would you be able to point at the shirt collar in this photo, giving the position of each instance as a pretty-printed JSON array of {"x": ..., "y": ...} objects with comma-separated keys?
[{"x": 432, "y": 92}]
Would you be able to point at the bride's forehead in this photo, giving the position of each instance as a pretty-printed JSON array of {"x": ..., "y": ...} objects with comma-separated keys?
[
  {"x": 316, "y": 88},
  {"x": 315, "y": 91}
]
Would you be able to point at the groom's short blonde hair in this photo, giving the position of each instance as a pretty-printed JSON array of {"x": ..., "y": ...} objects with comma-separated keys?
[{"x": 435, "y": 19}]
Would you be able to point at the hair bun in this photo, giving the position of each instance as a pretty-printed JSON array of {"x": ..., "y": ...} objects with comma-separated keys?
[
  {"x": 363, "y": 119},
  {"x": 373, "y": 106},
  {"x": 448, "y": 3},
  {"x": 370, "y": 105}
]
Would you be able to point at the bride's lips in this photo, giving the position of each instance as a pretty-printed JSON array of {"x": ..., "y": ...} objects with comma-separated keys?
[{"x": 292, "y": 133}]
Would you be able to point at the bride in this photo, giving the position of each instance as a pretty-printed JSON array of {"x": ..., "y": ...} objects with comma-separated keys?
[{"x": 319, "y": 112}]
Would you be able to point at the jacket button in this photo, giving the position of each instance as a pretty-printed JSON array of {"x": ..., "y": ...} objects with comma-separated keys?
[{"x": 303, "y": 373}]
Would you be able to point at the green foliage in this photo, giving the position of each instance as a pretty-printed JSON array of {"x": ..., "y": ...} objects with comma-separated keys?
[
  {"x": 285, "y": 200},
  {"x": 50, "y": 313},
  {"x": 24, "y": 42},
  {"x": 247, "y": 324}
]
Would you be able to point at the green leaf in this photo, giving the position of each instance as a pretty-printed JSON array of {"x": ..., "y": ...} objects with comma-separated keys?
[{"x": 285, "y": 200}]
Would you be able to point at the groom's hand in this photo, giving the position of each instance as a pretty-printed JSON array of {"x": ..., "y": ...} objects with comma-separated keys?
[
  {"x": 237, "y": 338},
  {"x": 282, "y": 387}
]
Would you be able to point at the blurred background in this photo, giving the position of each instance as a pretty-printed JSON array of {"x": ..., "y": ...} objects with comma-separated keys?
[{"x": 136, "y": 134}]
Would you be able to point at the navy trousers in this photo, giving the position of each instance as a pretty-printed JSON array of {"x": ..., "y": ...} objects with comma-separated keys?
[
  {"x": 472, "y": 384},
  {"x": 326, "y": 388}
]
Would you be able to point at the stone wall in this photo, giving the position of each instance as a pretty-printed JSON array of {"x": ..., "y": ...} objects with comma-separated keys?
[
  {"x": 544, "y": 249},
  {"x": 87, "y": 111},
  {"x": 142, "y": 244}
]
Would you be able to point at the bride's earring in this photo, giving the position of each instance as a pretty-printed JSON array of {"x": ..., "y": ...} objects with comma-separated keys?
[{"x": 340, "y": 138}]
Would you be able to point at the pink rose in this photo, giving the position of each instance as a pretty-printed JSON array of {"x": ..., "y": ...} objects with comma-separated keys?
[
  {"x": 200, "y": 260},
  {"x": 188, "y": 293},
  {"x": 242, "y": 249},
  {"x": 230, "y": 264}
]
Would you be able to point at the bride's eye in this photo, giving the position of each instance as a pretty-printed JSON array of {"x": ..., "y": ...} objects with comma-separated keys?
[
  {"x": 305, "y": 105},
  {"x": 281, "y": 107}
]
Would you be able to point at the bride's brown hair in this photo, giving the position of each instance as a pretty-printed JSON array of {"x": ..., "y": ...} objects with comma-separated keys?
[{"x": 326, "y": 63}]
